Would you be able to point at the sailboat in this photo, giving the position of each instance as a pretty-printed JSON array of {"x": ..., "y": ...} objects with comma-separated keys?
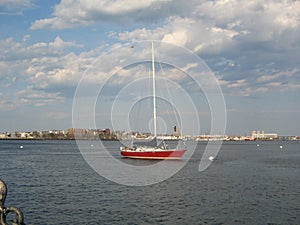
[{"x": 151, "y": 149}]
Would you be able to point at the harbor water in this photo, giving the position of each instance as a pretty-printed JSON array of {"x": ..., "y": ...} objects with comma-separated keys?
[{"x": 249, "y": 183}]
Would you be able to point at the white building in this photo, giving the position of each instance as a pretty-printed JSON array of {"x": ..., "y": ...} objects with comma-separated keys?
[{"x": 263, "y": 135}]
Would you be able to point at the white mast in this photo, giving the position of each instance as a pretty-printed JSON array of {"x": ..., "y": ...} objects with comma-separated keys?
[{"x": 153, "y": 89}]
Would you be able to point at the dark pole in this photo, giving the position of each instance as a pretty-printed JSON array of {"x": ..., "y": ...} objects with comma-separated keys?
[{"x": 4, "y": 211}]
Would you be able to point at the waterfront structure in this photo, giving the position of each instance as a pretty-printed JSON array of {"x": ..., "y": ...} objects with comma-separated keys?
[
  {"x": 107, "y": 134},
  {"x": 265, "y": 136}
]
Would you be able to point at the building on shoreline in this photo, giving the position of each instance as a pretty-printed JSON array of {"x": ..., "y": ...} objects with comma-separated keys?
[
  {"x": 69, "y": 134},
  {"x": 261, "y": 135},
  {"x": 107, "y": 134}
]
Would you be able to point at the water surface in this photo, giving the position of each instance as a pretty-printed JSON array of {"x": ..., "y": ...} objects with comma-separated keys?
[{"x": 248, "y": 184}]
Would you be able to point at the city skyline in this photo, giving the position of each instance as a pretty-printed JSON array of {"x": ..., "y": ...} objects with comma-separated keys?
[
  {"x": 252, "y": 49},
  {"x": 143, "y": 134}
]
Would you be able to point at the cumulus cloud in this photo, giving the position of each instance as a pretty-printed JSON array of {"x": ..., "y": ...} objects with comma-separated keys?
[
  {"x": 60, "y": 72},
  {"x": 218, "y": 26},
  {"x": 8, "y": 7},
  {"x": 68, "y": 14},
  {"x": 26, "y": 71},
  {"x": 37, "y": 98},
  {"x": 15, "y": 3},
  {"x": 12, "y": 50},
  {"x": 249, "y": 41},
  {"x": 252, "y": 46}
]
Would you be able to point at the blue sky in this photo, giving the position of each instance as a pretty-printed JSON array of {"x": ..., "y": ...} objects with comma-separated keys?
[{"x": 252, "y": 47}]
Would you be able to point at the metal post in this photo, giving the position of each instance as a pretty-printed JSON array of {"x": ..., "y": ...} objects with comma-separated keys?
[{"x": 4, "y": 211}]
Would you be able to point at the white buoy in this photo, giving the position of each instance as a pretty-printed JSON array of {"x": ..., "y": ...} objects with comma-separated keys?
[
  {"x": 21, "y": 146},
  {"x": 92, "y": 145},
  {"x": 211, "y": 158},
  {"x": 280, "y": 146},
  {"x": 257, "y": 145}
]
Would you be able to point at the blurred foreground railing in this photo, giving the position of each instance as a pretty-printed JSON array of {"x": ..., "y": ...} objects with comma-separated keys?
[{"x": 4, "y": 211}]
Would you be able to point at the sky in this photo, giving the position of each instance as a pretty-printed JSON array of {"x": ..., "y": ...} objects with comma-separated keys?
[{"x": 252, "y": 48}]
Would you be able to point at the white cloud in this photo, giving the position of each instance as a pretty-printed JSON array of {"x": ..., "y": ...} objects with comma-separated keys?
[
  {"x": 65, "y": 70},
  {"x": 13, "y": 50},
  {"x": 34, "y": 97},
  {"x": 222, "y": 26},
  {"x": 68, "y": 14},
  {"x": 29, "y": 73},
  {"x": 204, "y": 26},
  {"x": 267, "y": 78},
  {"x": 282, "y": 75},
  {"x": 176, "y": 31},
  {"x": 216, "y": 24},
  {"x": 279, "y": 81},
  {"x": 238, "y": 84},
  {"x": 14, "y": 7},
  {"x": 51, "y": 68},
  {"x": 15, "y": 3},
  {"x": 142, "y": 34},
  {"x": 248, "y": 35}
]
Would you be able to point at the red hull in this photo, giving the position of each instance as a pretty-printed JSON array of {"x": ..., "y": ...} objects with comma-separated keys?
[
  {"x": 164, "y": 154},
  {"x": 250, "y": 139}
]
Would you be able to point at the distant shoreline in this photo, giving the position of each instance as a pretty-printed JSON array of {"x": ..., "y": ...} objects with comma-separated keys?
[
  {"x": 86, "y": 139},
  {"x": 54, "y": 139}
]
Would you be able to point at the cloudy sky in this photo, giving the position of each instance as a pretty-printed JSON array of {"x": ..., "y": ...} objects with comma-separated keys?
[{"x": 251, "y": 47}]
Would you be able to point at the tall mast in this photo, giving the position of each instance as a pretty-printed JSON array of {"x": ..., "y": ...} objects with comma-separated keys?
[{"x": 153, "y": 89}]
